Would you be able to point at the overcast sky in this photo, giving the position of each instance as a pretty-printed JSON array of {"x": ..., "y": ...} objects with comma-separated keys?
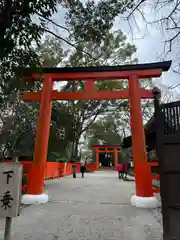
[
  {"x": 150, "y": 48},
  {"x": 150, "y": 44}
]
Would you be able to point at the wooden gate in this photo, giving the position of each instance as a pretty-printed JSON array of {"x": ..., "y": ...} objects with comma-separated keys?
[{"x": 168, "y": 150}]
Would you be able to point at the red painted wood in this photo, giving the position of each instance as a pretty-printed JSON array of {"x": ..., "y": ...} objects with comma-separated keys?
[
  {"x": 53, "y": 169},
  {"x": 156, "y": 190},
  {"x": 153, "y": 164},
  {"x": 141, "y": 167},
  {"x": 89, "y": 85},
  {"x": 37, "y": 172},
  {"x": 155, "y": 177},
  {"x": 87, "y": 95}
]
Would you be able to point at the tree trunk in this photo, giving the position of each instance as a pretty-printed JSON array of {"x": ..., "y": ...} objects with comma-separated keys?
[
  {"x": 74, "y": 151},
  {"x": 76, "y": 147}
]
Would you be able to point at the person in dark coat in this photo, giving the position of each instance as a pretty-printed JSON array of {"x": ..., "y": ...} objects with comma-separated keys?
[
  {"x": 74, "y": 168},
  {"x": 83, "y": 166}
]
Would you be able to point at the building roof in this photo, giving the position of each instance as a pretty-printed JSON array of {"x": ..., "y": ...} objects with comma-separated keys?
[
  {"x": 149, "y": 130},
  {"x": 157, "y": 65}
]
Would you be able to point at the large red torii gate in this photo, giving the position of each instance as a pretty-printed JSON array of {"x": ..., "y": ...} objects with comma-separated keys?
[{"x": 144, "y": 194}]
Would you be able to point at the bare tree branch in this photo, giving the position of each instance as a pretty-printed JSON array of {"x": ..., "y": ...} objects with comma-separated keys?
[
  {"x": 66, "y": 41},
  {"x": 51, "y": 21},
  {"x": 136, "y": 7},
  {"x": 171, "y": 22},
  {"x": 171, "y": 40},
  {"x": 90, "y": 123}
]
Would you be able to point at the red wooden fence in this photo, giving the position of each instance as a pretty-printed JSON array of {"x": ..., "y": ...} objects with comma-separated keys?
[{"x": 54, "y": 169}]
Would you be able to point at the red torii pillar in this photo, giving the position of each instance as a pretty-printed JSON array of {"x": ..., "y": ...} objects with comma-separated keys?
[
  {"x": 35, "y": 192},
  {"x": 115, "y": 158},
  {"x": 97, "y": 159},
  {"x": 144, "y": 194}
]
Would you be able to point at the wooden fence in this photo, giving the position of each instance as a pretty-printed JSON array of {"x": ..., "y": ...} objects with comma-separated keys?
[{"x": 53, "y": 170}]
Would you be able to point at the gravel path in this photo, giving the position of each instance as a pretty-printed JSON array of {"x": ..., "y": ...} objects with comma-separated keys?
[{"x": 96, "y": 207}]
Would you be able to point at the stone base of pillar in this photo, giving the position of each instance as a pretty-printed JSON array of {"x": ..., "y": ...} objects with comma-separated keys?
[
  {"x": 34, "y": 199},
  {"x": 144, "y": 202}
]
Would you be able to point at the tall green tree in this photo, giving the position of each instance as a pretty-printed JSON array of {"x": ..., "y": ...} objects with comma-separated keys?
[
  {"x": 23, "y": 23},
  {"x": 51, "y": 52},
  {"x": 19, "y": 119},
  {"x": 104, "y": 131},
  {"x": 113, "y": 50},
  {"x": 62, "y": 130},
  {"x": 91, "y": 20},
  {"x": 21, "y": 137}
]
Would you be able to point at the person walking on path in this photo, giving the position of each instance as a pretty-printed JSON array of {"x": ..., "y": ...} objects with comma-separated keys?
[
  {"x": 125, "y": 170},
  {"x": 119, "y": 170},
  {"x": 83, "y": 166},
  {"x": 74, "y": 168}
]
